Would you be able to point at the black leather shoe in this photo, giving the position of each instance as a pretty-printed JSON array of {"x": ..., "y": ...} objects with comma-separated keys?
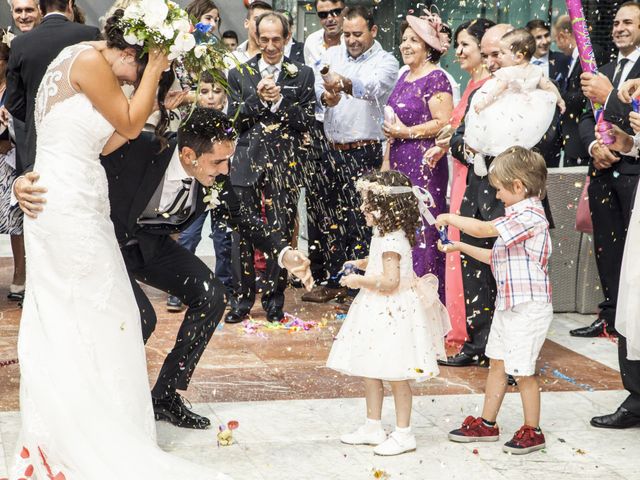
[
  {"x": 235, "y": 316},
  {"x": 594, "y": 330},
  {"x": 172, "y": 409},
  {"x": 511, "y": 380},
  {"x": 275, "y": 315},
  {"x": 464, "y": 360},
  {"x": 621, "y": 418}
]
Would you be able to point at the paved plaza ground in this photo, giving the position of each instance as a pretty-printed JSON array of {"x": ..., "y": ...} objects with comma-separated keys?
[{"x": 292, "y": 410}]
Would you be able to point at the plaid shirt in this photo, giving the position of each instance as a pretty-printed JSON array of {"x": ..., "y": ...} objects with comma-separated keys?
[{"x": 520, "y": 255}]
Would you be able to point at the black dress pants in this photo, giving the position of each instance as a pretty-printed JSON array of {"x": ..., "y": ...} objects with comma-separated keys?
[
  {"x": 176, "y": 271},
  {"x": 630, "y": 373},
  {"x": 280, "y": 202},
  {"x": 611, "y": 198},
  {"x": 480, "y": 297}
]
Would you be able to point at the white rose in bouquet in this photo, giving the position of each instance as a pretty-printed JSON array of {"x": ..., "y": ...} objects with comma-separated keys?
[
  {"x": 155, "y": 12},
  {"x": 132, "y": 39},
  {"x": 133, "y": 12},
  {"x": 181, "y": 25},
  {"x": 182, "y": 43}
]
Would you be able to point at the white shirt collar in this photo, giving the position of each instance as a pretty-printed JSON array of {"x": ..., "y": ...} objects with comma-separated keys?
[
  {"x": 543, "y": 59},
  {"x": 242, "y": 48},
  {"x": 633, "y": 56},
  {"x": 262, "y": 65},
  {"x": 175, "y": 170}
]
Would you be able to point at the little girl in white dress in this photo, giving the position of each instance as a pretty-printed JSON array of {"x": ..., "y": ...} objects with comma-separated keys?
[
  {"x": 516, "y": 107},
  {"x": 395, "y": 328}
]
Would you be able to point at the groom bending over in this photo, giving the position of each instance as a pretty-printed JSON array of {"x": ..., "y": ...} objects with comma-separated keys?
[{"x": 157, "y": 192}]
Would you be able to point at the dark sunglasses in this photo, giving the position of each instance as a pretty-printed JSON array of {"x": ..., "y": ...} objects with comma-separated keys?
[{"x": 334, "y": 13}]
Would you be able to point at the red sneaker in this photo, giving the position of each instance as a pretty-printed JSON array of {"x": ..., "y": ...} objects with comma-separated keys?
[
  {"x": 474, "y": 430},
  {"x": 525, "y": 440}
]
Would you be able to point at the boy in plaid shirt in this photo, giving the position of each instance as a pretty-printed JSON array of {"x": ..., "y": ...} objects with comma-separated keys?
[{"x": 519, "y": 261}]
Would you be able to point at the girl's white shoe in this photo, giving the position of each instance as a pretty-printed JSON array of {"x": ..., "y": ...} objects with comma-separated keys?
[
  {"x": 365, "y": 435},
  {"x": 396, "y": 444}
]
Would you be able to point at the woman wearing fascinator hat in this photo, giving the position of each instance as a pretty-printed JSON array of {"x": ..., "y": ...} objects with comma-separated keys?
[{"x": 419, "y": 106}]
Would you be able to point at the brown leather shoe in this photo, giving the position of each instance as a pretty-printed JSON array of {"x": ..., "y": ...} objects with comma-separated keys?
[{"x": 322, "y": 294}]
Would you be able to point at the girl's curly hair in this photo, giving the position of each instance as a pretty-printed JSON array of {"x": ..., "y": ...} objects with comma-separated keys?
[{"x": 392, "y": 212}]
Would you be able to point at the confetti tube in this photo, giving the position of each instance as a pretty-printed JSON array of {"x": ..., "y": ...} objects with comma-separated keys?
[{"x": 587, "y": 59}]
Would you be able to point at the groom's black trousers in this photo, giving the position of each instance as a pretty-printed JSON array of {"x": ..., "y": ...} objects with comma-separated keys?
[{"x": 177, "y": 271}]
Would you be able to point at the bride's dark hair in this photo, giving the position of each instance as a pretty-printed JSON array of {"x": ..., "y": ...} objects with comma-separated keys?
[
  {"x": 166, "y": 82},
  {"x": 114, "y": 35}
]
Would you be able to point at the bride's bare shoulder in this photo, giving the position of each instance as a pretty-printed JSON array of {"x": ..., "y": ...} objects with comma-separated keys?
[{"x": 90, "y": 65}]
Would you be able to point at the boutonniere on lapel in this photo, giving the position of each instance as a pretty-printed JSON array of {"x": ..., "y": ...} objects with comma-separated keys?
[
  {"x": 290, "y": 69},
  {"x": 212, "y": 197}
]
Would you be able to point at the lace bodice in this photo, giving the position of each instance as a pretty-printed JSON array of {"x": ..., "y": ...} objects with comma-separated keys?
[{"x": 70, "y": 135}]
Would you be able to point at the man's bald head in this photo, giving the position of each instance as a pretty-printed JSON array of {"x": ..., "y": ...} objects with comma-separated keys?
[
  {"x": 562, "y": 34},
  {"x": 490, "y": 45}
]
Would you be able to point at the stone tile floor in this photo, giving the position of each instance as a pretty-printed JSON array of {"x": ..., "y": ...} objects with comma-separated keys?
[{"x": 292, "y": 410}]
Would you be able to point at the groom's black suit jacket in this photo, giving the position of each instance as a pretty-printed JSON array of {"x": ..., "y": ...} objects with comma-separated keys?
[
  {"x": 30, "y": 56},
  {"x": 135, "y": 171}
]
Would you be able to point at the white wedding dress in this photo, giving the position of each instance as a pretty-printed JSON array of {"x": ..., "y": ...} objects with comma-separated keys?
[{"x": 84, "y": 393}]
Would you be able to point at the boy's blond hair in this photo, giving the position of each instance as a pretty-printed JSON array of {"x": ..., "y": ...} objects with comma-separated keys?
[{"x": 518, "y": 163}]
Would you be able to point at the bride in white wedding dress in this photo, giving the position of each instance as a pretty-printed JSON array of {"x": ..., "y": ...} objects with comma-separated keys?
[{"x": 84, "y": 394}]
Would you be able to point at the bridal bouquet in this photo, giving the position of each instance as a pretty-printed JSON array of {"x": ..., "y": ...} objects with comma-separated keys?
[{"x": 159, "y": 24}]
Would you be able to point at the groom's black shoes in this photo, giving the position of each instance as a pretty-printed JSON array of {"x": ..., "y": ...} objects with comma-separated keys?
[
  {"x": 172, "y": 409},
  {"x": 621, "y": 418},
  {"x": 235, "y": 316}
]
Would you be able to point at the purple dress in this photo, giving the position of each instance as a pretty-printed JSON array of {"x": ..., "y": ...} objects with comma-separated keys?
[{"x": 410, "y": 102}]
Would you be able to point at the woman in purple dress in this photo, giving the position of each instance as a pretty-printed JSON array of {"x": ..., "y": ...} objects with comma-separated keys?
[{"x": 422, "y": 103}]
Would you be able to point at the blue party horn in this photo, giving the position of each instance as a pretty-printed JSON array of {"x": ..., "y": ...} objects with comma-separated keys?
[
  {"x": 351, "y": 269},
  {"x": 635, "y": 103},
  {"x": 444, "y": 238}
]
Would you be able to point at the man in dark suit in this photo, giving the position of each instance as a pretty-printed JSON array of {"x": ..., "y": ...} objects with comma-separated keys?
[
  {"x": 555, "y": 66},
  {"x": 627, "y": 415},
  {"x": 575, "y": 151},
  {"x": 155, "y": 193},
  {"x": 614, "y": 177},
  {"x": 480, "y": 202},
  {"x": 31, "y": 54},
  {"x": 274, "y": 101}
]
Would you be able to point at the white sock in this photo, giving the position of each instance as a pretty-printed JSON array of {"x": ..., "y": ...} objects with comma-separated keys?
[
  {"x": 373, "y": 425},
  {"x": 403, "y": 431}
]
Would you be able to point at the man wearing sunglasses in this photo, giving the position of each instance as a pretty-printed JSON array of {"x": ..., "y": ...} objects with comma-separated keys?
[
  {"x": 319, "y": 217},
  {"x": 330, "y": 15}
]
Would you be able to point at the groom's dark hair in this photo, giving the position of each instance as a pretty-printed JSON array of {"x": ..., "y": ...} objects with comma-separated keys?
[
  {"x": 48, "y": 6},
  {"x": 203, "y": 128}
]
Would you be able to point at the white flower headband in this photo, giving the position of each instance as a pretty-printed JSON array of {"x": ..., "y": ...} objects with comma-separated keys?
[{"x": 425, "y": 199}]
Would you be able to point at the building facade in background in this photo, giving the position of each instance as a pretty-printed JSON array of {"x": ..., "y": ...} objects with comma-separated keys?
[{"x": 390, "y": 13}]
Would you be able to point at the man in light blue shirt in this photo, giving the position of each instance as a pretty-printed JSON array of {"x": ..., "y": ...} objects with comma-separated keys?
[{"x": 360, "y": 79}]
